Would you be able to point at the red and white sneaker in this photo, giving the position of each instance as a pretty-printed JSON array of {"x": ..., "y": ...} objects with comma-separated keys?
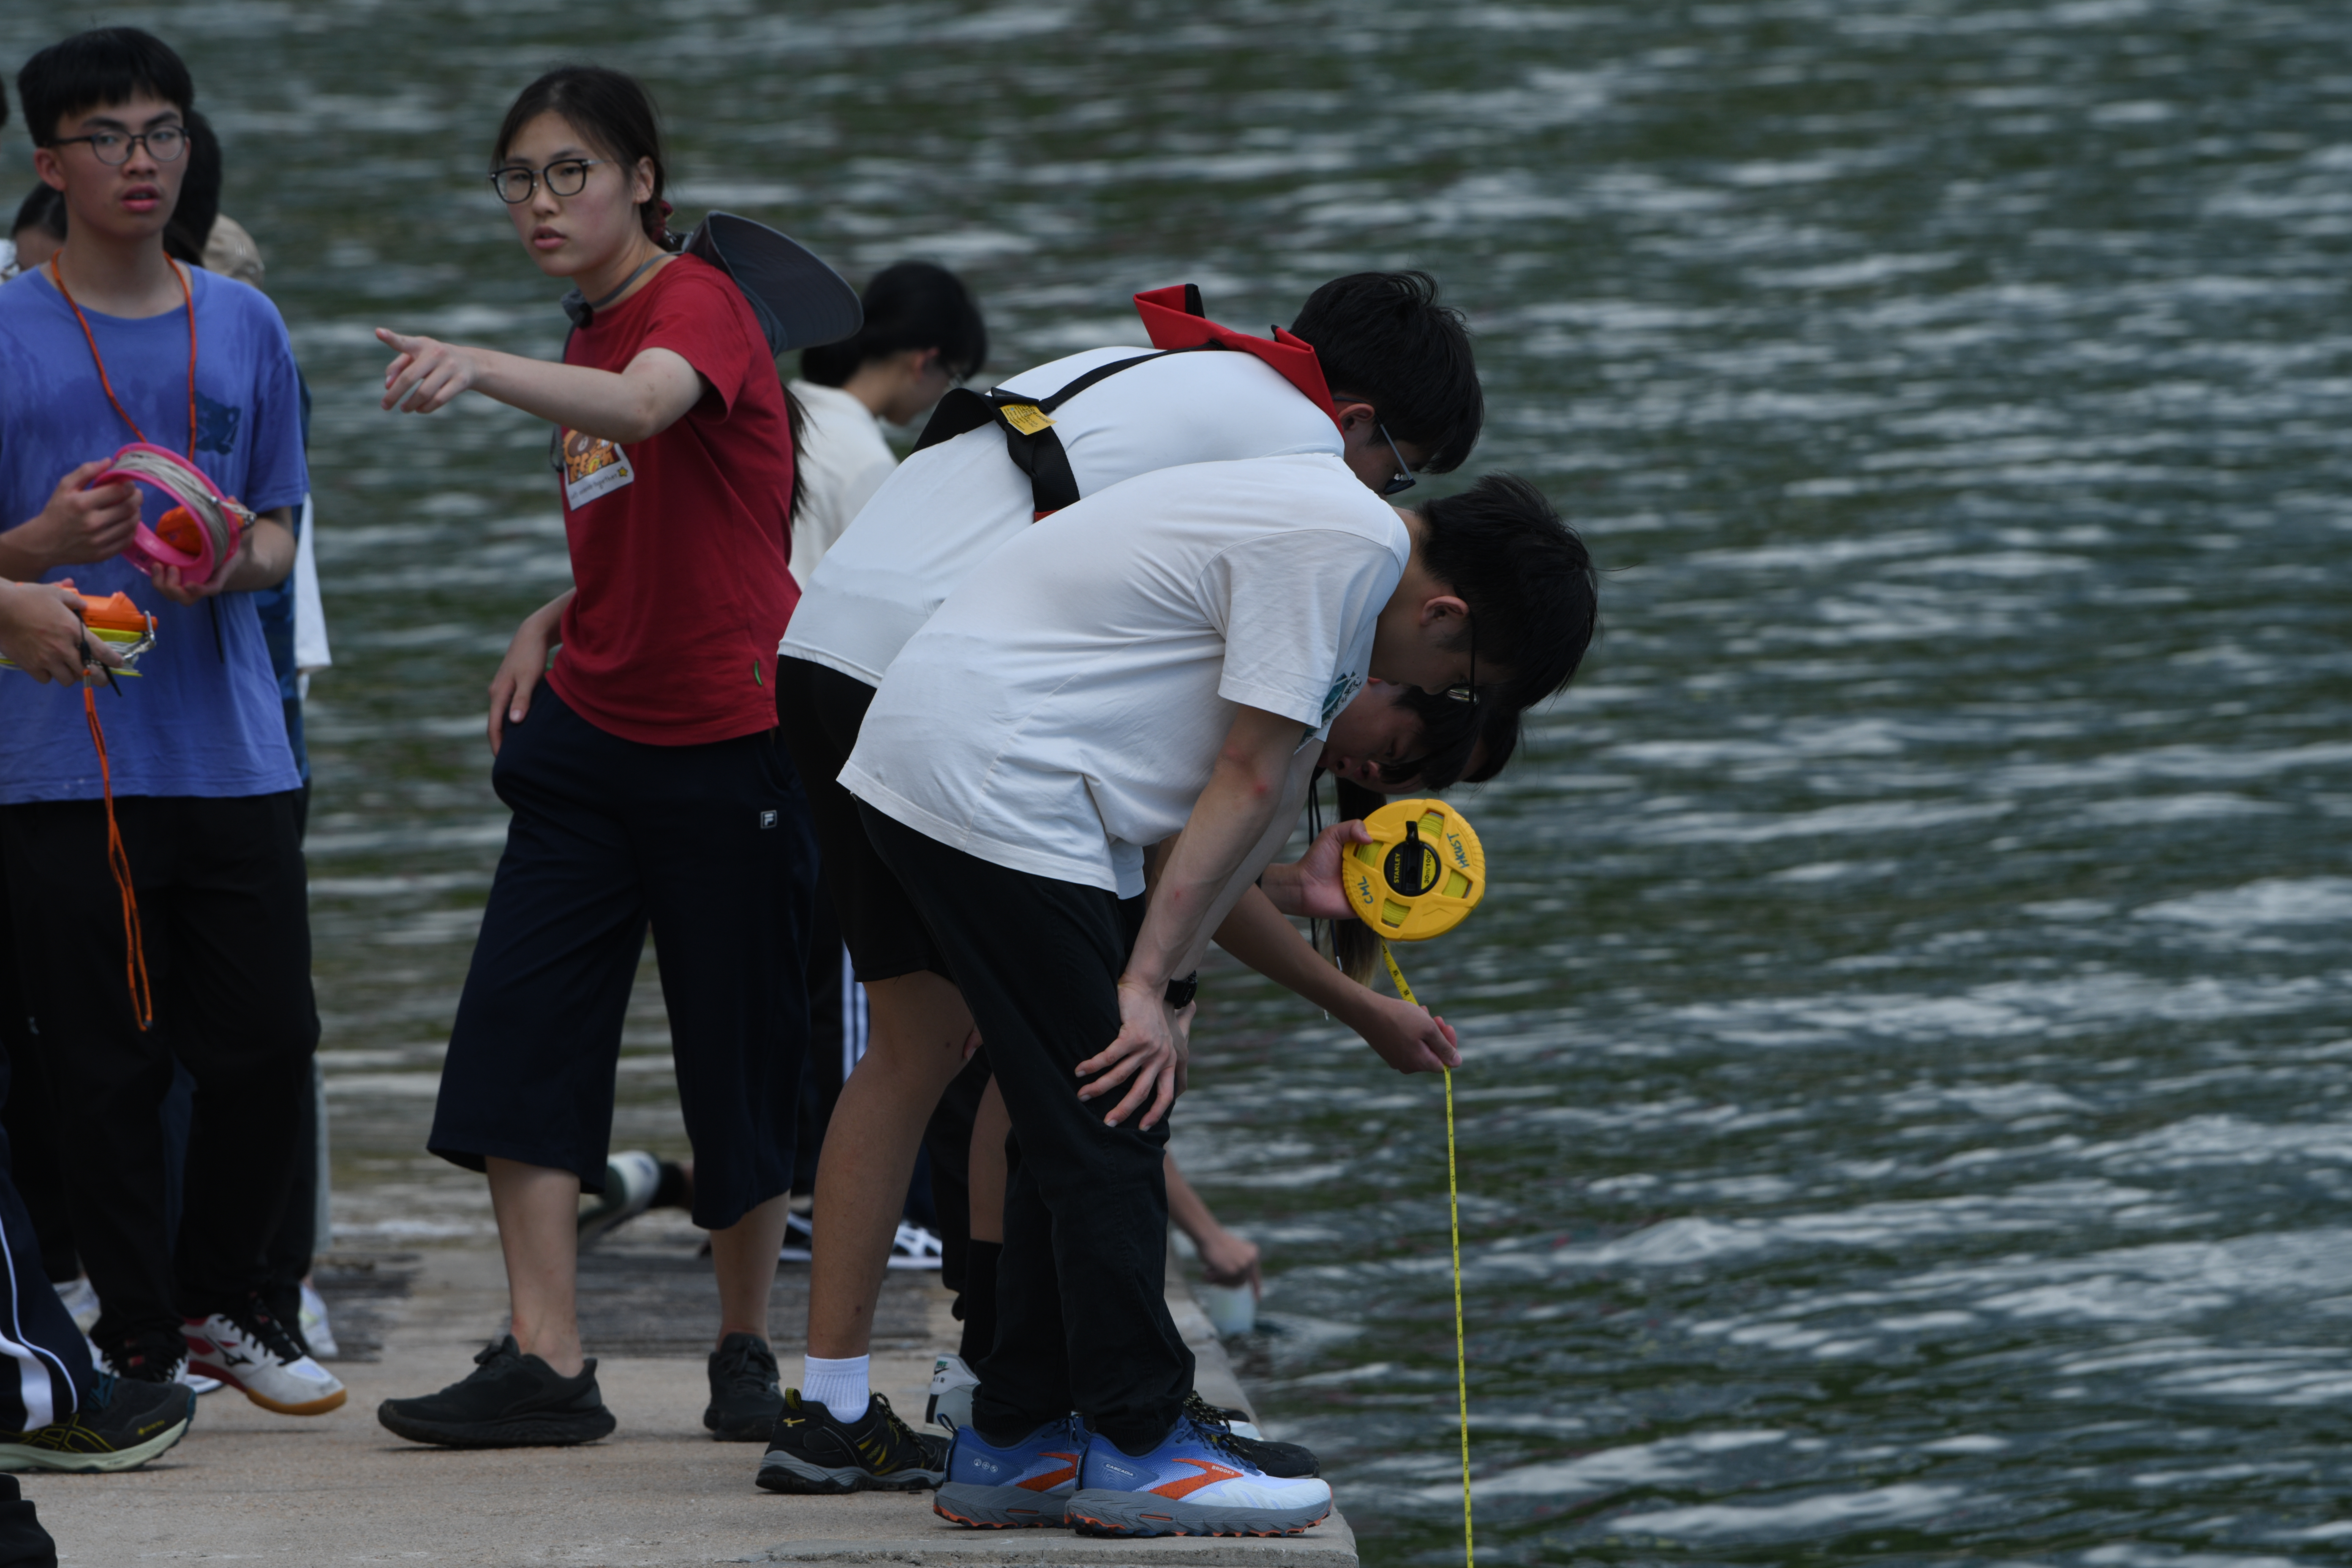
[{"x": 250, "y": 1350}]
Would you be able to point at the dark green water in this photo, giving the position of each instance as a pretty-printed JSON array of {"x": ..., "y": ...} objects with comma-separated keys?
[{"x": 1905, "y": 1114}]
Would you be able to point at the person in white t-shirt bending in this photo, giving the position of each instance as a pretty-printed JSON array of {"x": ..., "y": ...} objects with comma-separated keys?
[
  {"x": 1157, "y": 665},
  {"x": 922, "y": 335}
]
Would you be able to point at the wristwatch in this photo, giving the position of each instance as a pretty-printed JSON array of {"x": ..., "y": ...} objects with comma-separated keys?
[{"x": 1181, "y": 989}]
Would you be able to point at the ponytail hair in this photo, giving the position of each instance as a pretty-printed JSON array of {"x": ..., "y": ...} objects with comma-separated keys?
[{"x": 613, "y": 111}]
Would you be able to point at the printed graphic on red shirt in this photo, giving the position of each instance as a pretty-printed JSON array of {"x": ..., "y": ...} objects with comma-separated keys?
[{"x": 592, "y": 466}]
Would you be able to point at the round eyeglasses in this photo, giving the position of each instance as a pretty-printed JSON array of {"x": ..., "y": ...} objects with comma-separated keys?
[
  {"x": 164, "y": 145},
  {"x": 564, "y": 177}
]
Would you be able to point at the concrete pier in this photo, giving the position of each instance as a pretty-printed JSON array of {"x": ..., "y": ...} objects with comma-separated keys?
[{"x": 253, "y": 1487}]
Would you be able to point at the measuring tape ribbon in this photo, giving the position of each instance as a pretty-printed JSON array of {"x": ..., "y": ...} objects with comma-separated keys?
[{"x": 1421, "y": 875}]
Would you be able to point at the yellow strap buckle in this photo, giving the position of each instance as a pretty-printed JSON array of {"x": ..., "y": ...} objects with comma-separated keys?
[{"x": 1026, "y": 417}]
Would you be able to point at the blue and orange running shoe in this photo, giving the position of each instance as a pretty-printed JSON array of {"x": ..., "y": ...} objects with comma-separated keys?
[
  {"x": 1201, "y": 1481},
  {"x": 1014, "y": 1488}
]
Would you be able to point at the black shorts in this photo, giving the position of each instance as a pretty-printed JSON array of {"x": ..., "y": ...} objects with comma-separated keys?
[
  {"x": 820, "y": 709},
  {"x": 709, "y": 844}
]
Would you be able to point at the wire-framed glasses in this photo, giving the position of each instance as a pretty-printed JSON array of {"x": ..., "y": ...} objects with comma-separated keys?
[
  {"x": 1467, "y": 690},
  {"x": 1404, "y": 480}
]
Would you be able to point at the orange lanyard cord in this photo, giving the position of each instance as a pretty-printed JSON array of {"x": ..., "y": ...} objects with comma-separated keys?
[
  {"x": 118, "y": 860},
  {"x": 187, "y": 298}
]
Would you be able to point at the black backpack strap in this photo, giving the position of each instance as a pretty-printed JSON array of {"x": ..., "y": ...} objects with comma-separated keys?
[
  {"x": 1029, "y": 435},
  {"x": 960, "y": 410}
]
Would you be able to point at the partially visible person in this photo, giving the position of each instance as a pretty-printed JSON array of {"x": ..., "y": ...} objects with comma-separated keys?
[
  {"x": 1225, "y": 1258},
  {"x": 647, "y": 785},
  {"x": 55, "y": 1411},
  {"x": 38, "y": 231},
  {"x": 923, "y": 334},
  {"x": 95, "y": 352}
]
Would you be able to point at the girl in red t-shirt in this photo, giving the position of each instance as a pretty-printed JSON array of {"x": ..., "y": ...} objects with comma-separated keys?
[{"x": 645, "y": 778}]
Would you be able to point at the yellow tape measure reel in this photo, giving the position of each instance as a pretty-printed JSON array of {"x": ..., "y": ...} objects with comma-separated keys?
[{"x": 1421, "y": 874}]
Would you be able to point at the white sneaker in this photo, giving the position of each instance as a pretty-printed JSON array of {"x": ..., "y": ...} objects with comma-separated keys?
[
  {"x": 799, "y": 1236},
  {"x": 251, "y": 1351},
  {"x": 631, "y": 1179},
  {"x": 80, "y": 1299},
  {"x": 951, "y": 1386},
  {"x": 317, "y": 1332},
  {"x": 915, "y": 1248}
]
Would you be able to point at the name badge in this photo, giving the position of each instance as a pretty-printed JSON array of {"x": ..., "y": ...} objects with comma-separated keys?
[{"x": 592, "y": 466}]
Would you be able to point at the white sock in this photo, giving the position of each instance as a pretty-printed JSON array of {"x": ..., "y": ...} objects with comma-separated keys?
[{"x": 839, "y": 1384}]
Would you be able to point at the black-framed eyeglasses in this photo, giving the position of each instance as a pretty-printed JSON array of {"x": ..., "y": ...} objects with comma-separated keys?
[
  {"x": 1467, "y": 690},
  {"x": 564, "y": 177},
  {"x": 1404, "y": 480},
  {"x": 164, "y": 145}
]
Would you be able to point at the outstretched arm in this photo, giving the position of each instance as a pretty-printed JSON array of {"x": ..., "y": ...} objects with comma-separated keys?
[
  {"x": 1407, "y": 1037},
  {"x": 1225, "y": 1258},
  {"x": 635, "y": 404}
]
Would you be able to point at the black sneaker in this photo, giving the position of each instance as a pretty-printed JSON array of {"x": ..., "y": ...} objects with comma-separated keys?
[
  {"x": 511, "y": 1401},
  {"x": 744, "y": 1398},
  {"x": 122, "y": 1425},
  {"x": 1288, "y": 1461},
  {"x": 813, "y": 1453},
  {"x": 148, "y": 1358}
]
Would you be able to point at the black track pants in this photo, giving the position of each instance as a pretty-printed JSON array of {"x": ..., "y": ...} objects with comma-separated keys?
[
  {"x": 1083, "y": 1317},
  {"x": 223, "y": 906}
]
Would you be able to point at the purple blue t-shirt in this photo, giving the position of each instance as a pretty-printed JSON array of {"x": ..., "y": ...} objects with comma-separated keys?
[{"x": 204, "y": 717}]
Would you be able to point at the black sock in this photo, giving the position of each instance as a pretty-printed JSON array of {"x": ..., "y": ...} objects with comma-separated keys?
[{"x": 979, "y": 1304}]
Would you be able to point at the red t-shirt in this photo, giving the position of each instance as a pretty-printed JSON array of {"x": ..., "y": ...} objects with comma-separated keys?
[{"x": 679, "y": 544}]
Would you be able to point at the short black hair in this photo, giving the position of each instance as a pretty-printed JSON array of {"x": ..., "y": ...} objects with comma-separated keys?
[
  {"x": 103, "y": 66},
  {"x": 45, "y": 209},
  {"x": 1529, "y": 581},
  {"x": 909, "y": 305},
  {"x": 1384, "y": 337}
]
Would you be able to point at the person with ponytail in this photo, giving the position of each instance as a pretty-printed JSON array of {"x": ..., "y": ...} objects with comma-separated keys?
[
  {"x": 922, "y": 335},
  {"x": 645, "y": 776}
]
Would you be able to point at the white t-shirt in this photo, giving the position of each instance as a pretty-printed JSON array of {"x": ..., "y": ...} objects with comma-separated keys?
[
  {"x": 844, "y": 460},
  {"x": 947, "y": 508},
  {"x": 1065, "y": 706}
]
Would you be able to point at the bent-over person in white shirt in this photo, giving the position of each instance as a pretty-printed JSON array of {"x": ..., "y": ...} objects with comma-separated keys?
[{"x": 1154, "y": 665}]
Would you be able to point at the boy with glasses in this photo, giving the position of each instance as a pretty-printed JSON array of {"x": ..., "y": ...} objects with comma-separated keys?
[
  {"x": 1150, "y": 673},
  {"x": 113, "y": 343}
]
